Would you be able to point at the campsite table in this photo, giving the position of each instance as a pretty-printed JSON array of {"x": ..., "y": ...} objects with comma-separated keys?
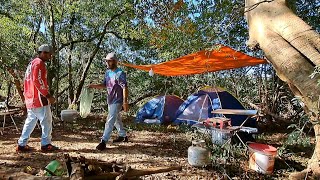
[
  {"x": 4, "y": 114},
  {"x": 248, "y": 113}
]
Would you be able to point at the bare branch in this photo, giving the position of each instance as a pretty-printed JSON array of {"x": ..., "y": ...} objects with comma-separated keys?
[
  {"x": 97, "y": 35},
  {"x": 120, "y": 37},
  {"x": 6, "y": 14},
  {"x": 251, "y": 7},
  {"x": 79, "y": 41}
]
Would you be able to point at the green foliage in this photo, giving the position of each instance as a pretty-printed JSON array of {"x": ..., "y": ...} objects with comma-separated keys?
[
  {"x": 297, "y": 139},
  {"x": 158, "y": 128},
  {"x": 146, "y": 32}
]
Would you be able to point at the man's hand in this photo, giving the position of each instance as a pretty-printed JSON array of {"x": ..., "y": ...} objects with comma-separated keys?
[
  {"x": 125, "y": 107},
  {"x": 51, "y": 100}
]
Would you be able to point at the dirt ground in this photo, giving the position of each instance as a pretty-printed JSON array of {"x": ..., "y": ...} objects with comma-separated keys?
[{"x": 147, "y": 147}]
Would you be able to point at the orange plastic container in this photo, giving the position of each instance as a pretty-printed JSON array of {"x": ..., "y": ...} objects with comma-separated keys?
[{"x": 262, "y": 157}]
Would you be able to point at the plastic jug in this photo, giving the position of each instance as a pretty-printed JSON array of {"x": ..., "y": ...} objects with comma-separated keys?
[
  {"x": 68, "y": 115},
  {"x": 262, "y": 157},
  {"x": 54, "y": 168}
]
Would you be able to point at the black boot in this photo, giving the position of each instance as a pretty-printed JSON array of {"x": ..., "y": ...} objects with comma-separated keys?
[
  {"x": 101, "y": 146},
  {"x": 121, "y": 139}
]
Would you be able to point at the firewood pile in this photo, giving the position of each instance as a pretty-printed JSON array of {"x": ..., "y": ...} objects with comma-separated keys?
[
  {"x": 91, "y": 169},
  {"x": 79, "y": 168}
]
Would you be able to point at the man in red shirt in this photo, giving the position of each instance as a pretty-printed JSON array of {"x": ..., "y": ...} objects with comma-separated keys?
[{"x": 38, "y": 100}]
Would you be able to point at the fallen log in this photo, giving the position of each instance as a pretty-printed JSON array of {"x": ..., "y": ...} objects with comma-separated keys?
[
  {"x": 131, "y": 173},
  {"x": 93, "y": 169},
  {"x": 92, "y": 165},
  {"x": 77, "y": 172}
]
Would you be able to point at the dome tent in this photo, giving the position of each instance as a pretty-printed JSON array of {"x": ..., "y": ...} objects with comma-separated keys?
[
  {"x": 160, "y": 110},
  {"x": 198, "y": 107}
]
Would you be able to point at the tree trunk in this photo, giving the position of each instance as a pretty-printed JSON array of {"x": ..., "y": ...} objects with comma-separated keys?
[
  {"x": 17, "y": 83},
  {"x": 70, "y": 77},
  {"x": 9, "y": 83},
  {"x": 292, "y": 47},
  {"x": 313, "y": 163}
]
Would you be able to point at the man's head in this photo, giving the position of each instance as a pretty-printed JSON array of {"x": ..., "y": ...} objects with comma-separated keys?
[
  {"x": 111, "y": 61},
  {"x": 45, "y": 52}
]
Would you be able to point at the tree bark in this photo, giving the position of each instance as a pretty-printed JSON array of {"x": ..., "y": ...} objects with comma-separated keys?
[
  {"x": 313, "y": 163},
  {"x": 17, "y": 83},
  {"x": 70, "y": 78},
  {"x": 77, "y": 172},
  {"x": 292, "y": 47}
]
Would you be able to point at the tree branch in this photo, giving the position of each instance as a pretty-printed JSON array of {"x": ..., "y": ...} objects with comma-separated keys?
[
  {"x": 251, "y": 7},
  {"x": 97, "y": 35},
  {"x": 6, "y": 14},
  {"x": 64, "y": 90},
  {"x": 141, "y": 98},
  {"x": 79, "y": 41},
  {"x": 120, "y": 37},
  {"x": 37, "y": 31}
]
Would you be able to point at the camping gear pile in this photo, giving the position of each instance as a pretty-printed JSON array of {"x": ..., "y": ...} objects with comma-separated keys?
[
  {"x": 197, "y": 111},
  {"x": 197, "y": 108}
]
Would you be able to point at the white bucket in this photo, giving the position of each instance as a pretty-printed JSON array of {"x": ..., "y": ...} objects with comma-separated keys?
[
  {"x": 262, "y": 157},
  {"x": 198, "y": 154},
  {"x": 68, "y": 115}
]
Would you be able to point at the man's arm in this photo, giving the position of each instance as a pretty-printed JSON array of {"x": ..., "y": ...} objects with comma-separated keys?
[
  {"x": 97, "y": 86},
  {"x": 39, "y": 79},
  {"x": 125, "y": 99}
]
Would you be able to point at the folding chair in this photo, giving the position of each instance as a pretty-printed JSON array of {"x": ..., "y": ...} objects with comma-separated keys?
[{"x": 4, "y": 113}]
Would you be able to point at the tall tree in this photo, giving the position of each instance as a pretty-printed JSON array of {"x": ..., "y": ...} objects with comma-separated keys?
[{"x": 293, "y": 48}]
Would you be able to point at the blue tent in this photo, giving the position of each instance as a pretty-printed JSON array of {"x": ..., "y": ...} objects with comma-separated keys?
[
  {"x": 161, "y": 109},
  {"x": 198, "y": 107}
]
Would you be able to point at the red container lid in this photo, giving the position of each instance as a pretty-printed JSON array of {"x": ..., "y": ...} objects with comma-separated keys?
[{"x": 263, "y": 147}]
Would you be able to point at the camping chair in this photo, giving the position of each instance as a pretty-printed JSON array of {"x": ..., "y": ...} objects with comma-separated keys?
[{"x": 4, "y": 113}]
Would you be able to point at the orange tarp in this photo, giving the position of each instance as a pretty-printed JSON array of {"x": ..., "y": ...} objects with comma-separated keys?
[{"x": 221, "y": 58}]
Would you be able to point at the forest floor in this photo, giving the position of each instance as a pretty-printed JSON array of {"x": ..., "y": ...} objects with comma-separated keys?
[{"x": 148, "y": 146}]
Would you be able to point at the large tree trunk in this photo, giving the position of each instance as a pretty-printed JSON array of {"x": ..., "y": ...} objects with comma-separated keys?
[{"x": 292, "y": 47}]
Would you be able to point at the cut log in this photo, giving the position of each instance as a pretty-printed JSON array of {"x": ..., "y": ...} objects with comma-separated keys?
[
  {"x": 93, "y": 169},
  {"x": 125, "y": 173},
  {"x": 133, "y": 173},
  {"x": 77, "y": 172},
  {"x": 95, "y": 165}
]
